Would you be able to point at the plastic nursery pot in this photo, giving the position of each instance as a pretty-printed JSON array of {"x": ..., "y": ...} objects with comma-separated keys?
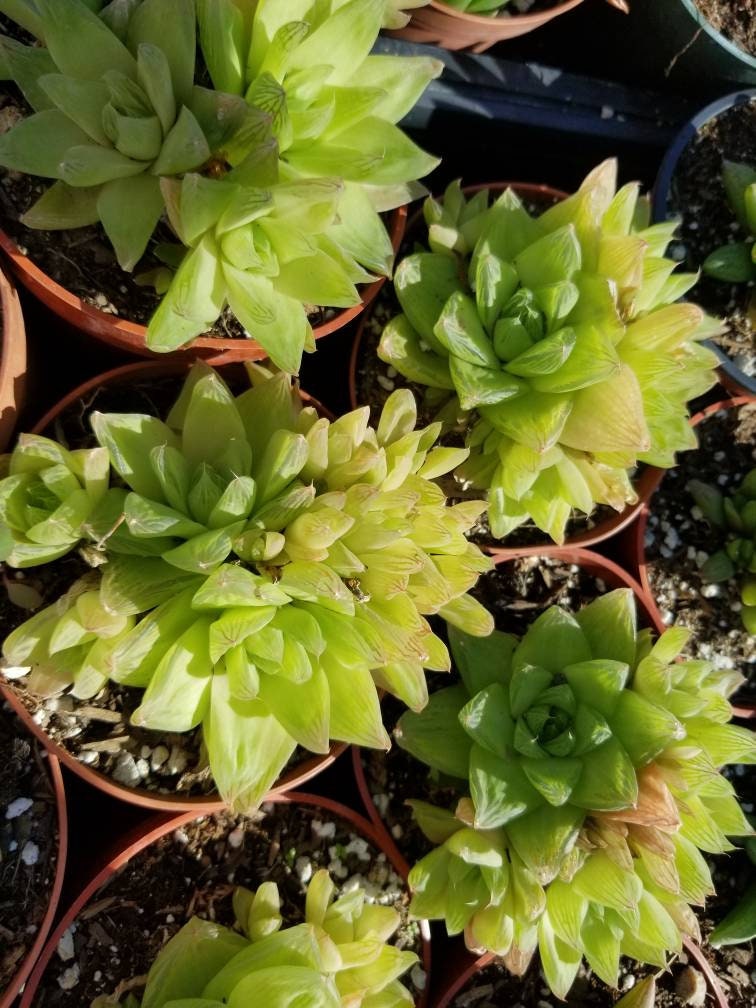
[
  {"x": 130, "y": 336},
  {"x": 598, "y": 566},
  {"x": 294, "y": 777},
  {"x": 462, "y": 966},
  {"x": 12, "y": 358},
  {"x": 649, "y": 476},
  {"x": 156, "y": 828},
  {"x": 678, "y": 39},
  {"x": 442, "y": 25},
  {"x": 635, "y": 540},
  {"x": 733, "y": 378},
  {"x": 8, "y": 996}
]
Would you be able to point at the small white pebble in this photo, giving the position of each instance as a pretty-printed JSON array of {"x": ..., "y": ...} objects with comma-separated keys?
[
  {"x": 66, "y": 946},
  {"x": 16, "y": 671},
  {"x": 17, "y": 807},
  {"x": 323, "y": 830},
  {"x": 418, "y": 977},
  {"x": 30, "y": 853},
  {"x": 69, "y": 978},
  {"x": 303, "y": 868},
  {"x": 236, "y": 838}
]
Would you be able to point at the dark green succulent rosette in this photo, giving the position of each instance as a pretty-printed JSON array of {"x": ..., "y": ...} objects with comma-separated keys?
[
  {"x": 556, "y": 342},
  {"x": 733, "y": 518},
  {"x": 588, "y": 759}
]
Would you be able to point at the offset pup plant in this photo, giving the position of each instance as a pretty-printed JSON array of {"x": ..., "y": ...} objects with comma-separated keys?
[
  {"x": 272, "y": 187},
  {"x": 736, "y": 263},
  {"x": 733, "y": 517},
  {"x": 588, "y": 759},
  {"x": 338, "y": 958},
  {"x": 257, "y": 570},
  {"x": 556, "y": 341}
]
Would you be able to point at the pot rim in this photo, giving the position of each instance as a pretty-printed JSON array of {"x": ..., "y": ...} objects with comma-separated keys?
[
  {"x": 27, "y": 965},
  {"x": 730, "y": 47},
  {"x": 480, "y": 21},
  {"x": 736, "y": 380},
  {"x": 12, "y": 356},
  {"x": 294, "y": 777},
  {"x": 115, "y": 331},
  {"x": 156, "y": 827},
  {"x": 638, "y": 532}
]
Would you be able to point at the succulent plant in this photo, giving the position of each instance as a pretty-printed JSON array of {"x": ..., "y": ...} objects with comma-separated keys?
[
  {"x": 557, "y": 340},
  {"x": 273, "y": 183},
  {"x": 47, "y": 499},
  {"x": 338, "y": 958},
  {"x": 736, "y": 262},
  {"x": 591, "y": 756},
  {"x": 261, "y": 572},
  {"x": 291, "y": 217},
  {"x": 733, "y": 516},
  {"x": 115, "y": 109}
]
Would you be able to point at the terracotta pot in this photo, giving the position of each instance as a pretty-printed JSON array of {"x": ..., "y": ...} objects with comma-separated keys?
[
  {"x": 157, "y": 828},
  {"x": 633, "y": 546},
  {"x": 597, "y": 565},
  {"x": 12, "y": 359},
  {"x": 462, "y": 967},
  {"x": 649, "y": 476},
  {"x": 294, "y": 777},
  {"x": 130, "y": 336},
  {"x": 56, "y": 779},
  {"x": 442, "y": 25},
  {"x": 735, "y": 380}
]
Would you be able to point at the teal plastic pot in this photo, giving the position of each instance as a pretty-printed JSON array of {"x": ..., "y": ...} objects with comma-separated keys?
[{"x": 678, "y": 38}]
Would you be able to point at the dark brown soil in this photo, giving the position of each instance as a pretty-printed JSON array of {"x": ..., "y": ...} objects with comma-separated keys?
[
  {"x": 679, "y": 539},
  {"x": 735, "y": 19},
  {"x": 193, "y": 871},
  {"x": 28, "y": 843},
  {"x": 518, "y": 592},
  {"x": 698, "y": 195}
]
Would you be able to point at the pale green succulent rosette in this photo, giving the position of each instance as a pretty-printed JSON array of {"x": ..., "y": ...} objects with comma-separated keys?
[
  {"x": 338, "y": 958},
  {"x": 47, "y": 498},
  {"x": 293, "y": 220},
  {"x": 261, "y": 572},
  {"x": 592, "y": 759},
  {"x": 115, "y": 109},
  {"x": 558, "y": 340}
]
